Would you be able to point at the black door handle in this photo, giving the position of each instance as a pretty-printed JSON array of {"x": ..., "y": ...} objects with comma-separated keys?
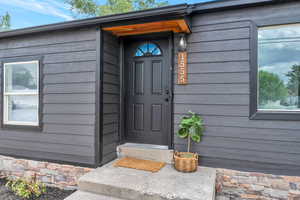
[
  {"x": 167, "y": 91},
  {"x": 167, "y": 99}
]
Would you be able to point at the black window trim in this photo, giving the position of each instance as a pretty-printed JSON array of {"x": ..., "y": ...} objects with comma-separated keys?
[
  {"x": 39, "y": 127},
  {"x": 254, "y": 113}
]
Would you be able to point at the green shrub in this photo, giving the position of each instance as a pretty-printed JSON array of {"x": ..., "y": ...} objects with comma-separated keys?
[
  {"x": 26, "y": 189},
  {"x": 192, "y": 128}
]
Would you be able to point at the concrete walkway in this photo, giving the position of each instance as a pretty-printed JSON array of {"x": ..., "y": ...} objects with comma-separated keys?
[
  {"x": 80, "y": 195},
  {"x": 167, "y": 184}
]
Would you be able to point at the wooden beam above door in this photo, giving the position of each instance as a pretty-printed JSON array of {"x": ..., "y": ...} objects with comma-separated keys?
[{"x": 176, "y": 26}]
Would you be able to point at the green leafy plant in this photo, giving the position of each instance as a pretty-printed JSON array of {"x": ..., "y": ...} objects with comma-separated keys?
[
  {"x": 4, "y": 22},
  {"x": 26, "y": 189},
  {"x": 192, "y": 128},
  {"x": 95, "y": 8}
]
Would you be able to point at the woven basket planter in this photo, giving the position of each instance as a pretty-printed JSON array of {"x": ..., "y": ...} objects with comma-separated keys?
[{"x": 183, "y": 164}]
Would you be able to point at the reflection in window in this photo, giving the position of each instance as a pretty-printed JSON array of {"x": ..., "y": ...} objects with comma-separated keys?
[
  {"x": 148, "y": 49},
  {"x": 279, "y": 68},
  {"x": 21, "y": 94}
]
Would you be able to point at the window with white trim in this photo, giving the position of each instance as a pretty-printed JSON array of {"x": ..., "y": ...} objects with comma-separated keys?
[{"x": 21, "y": 93}]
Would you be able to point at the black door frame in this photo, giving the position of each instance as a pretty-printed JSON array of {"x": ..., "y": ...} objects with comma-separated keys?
[{"x": 170, "y": 37}]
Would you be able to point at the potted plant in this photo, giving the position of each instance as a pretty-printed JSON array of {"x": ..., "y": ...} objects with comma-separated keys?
[{"x": 191, "y": 128}]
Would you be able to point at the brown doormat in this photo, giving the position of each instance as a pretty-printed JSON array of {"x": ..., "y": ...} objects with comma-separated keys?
[{"x": 134, "y": 163}]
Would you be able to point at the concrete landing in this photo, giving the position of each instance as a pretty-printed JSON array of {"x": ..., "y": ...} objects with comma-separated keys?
[
  {"x": 167, "y": 184},
  {"x": 80, "y": 195}
]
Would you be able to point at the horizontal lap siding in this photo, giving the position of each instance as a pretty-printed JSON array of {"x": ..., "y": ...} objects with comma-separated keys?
[
  {"x": 69, "y": 63},
  {"x": 218, "y": 89},
  {"x": 111, "y": 97}
]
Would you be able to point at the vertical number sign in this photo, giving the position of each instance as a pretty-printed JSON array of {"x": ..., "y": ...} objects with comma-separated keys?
[{"x": 182, "y": 68}]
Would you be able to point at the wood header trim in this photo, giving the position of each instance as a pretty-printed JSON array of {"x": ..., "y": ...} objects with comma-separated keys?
[{"x": 176, "y": 26}]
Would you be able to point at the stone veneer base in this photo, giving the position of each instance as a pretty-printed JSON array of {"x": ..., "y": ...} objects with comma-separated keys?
[
  {"x": 236, "y": 185},
  {"x": 52, "y": 174},
  {"x": 230, "y": 184}
]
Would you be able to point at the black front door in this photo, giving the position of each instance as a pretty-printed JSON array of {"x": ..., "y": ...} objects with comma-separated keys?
[{"x": 147, "y": 82}]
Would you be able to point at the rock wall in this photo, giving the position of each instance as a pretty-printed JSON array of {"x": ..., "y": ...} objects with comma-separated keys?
[
  {"x": 236, "y": 185},
  {"x": 52, "y": 174},
  {"x": 230, "y": 184}
]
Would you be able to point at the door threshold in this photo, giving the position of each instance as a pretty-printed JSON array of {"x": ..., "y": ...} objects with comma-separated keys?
[{"x": 145, "y": 146}]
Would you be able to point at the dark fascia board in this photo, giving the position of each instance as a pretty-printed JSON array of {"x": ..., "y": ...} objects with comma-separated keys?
[
  {"x": 150, "y": 14},
  {"x": 167, "y": 12},
  {"x": 218, "y": 5}
]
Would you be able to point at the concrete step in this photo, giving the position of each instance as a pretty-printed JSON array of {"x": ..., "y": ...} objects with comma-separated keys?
[
  {"x": 167, "y": 184},
  {"x": 146, "y": 151},
  {"x": 80, "y": 195}
]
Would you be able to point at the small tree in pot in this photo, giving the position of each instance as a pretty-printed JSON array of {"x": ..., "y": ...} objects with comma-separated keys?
[{"x": 190, "y": 128}]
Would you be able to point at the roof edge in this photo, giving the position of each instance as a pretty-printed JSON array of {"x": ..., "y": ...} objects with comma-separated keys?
[
  {"x": 174, "y": 10},
  {"x": 230, "y": 4}
]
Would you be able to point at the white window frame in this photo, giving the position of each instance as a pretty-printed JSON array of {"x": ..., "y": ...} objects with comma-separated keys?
[{"x": 7, "y": 94}]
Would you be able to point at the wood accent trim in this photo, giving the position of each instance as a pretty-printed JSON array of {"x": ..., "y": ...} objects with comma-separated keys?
[
  {"x": 184, "y": 26},
  {"x": 176, "y": 26}
]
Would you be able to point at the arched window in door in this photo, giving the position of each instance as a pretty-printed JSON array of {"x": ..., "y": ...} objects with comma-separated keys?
[{"x": 148, "y": 49}]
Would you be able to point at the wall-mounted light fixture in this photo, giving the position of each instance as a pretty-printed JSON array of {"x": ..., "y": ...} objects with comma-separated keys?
[{"x": 182, "y": 43}]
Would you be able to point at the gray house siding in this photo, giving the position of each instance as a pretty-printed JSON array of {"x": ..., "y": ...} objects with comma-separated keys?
[
  {"x": 220, "y": 60},
  {"x": 111, "y": 96},
  {"x": 219, "y": 67},
  {"x": 69, "y": 62}
]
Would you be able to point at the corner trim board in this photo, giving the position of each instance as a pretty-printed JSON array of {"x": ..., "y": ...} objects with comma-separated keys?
[
  {"x": 99, "y": 98},
  {"x": 122, "y": 94},
  {"x": 171, "y": 85}
]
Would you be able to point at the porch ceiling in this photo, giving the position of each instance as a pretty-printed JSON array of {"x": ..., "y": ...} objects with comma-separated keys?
[{"x": 176, "y": 26}]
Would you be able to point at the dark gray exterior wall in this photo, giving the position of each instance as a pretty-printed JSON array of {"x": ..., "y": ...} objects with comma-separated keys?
[
  {"x": 218, "y": 89},
  {"x": 111, "y": 96},
  {"x": 69, "y": 63}
]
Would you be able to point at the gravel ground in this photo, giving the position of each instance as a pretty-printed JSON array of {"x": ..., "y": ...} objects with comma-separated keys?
[{"x": 51, "y": 194}]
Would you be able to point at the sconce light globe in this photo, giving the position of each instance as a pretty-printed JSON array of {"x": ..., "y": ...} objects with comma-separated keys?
[{"x": 182, "y": 43}]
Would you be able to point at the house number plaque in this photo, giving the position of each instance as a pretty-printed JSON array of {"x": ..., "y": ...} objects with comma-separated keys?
[{"x": 182, "y": 68}]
